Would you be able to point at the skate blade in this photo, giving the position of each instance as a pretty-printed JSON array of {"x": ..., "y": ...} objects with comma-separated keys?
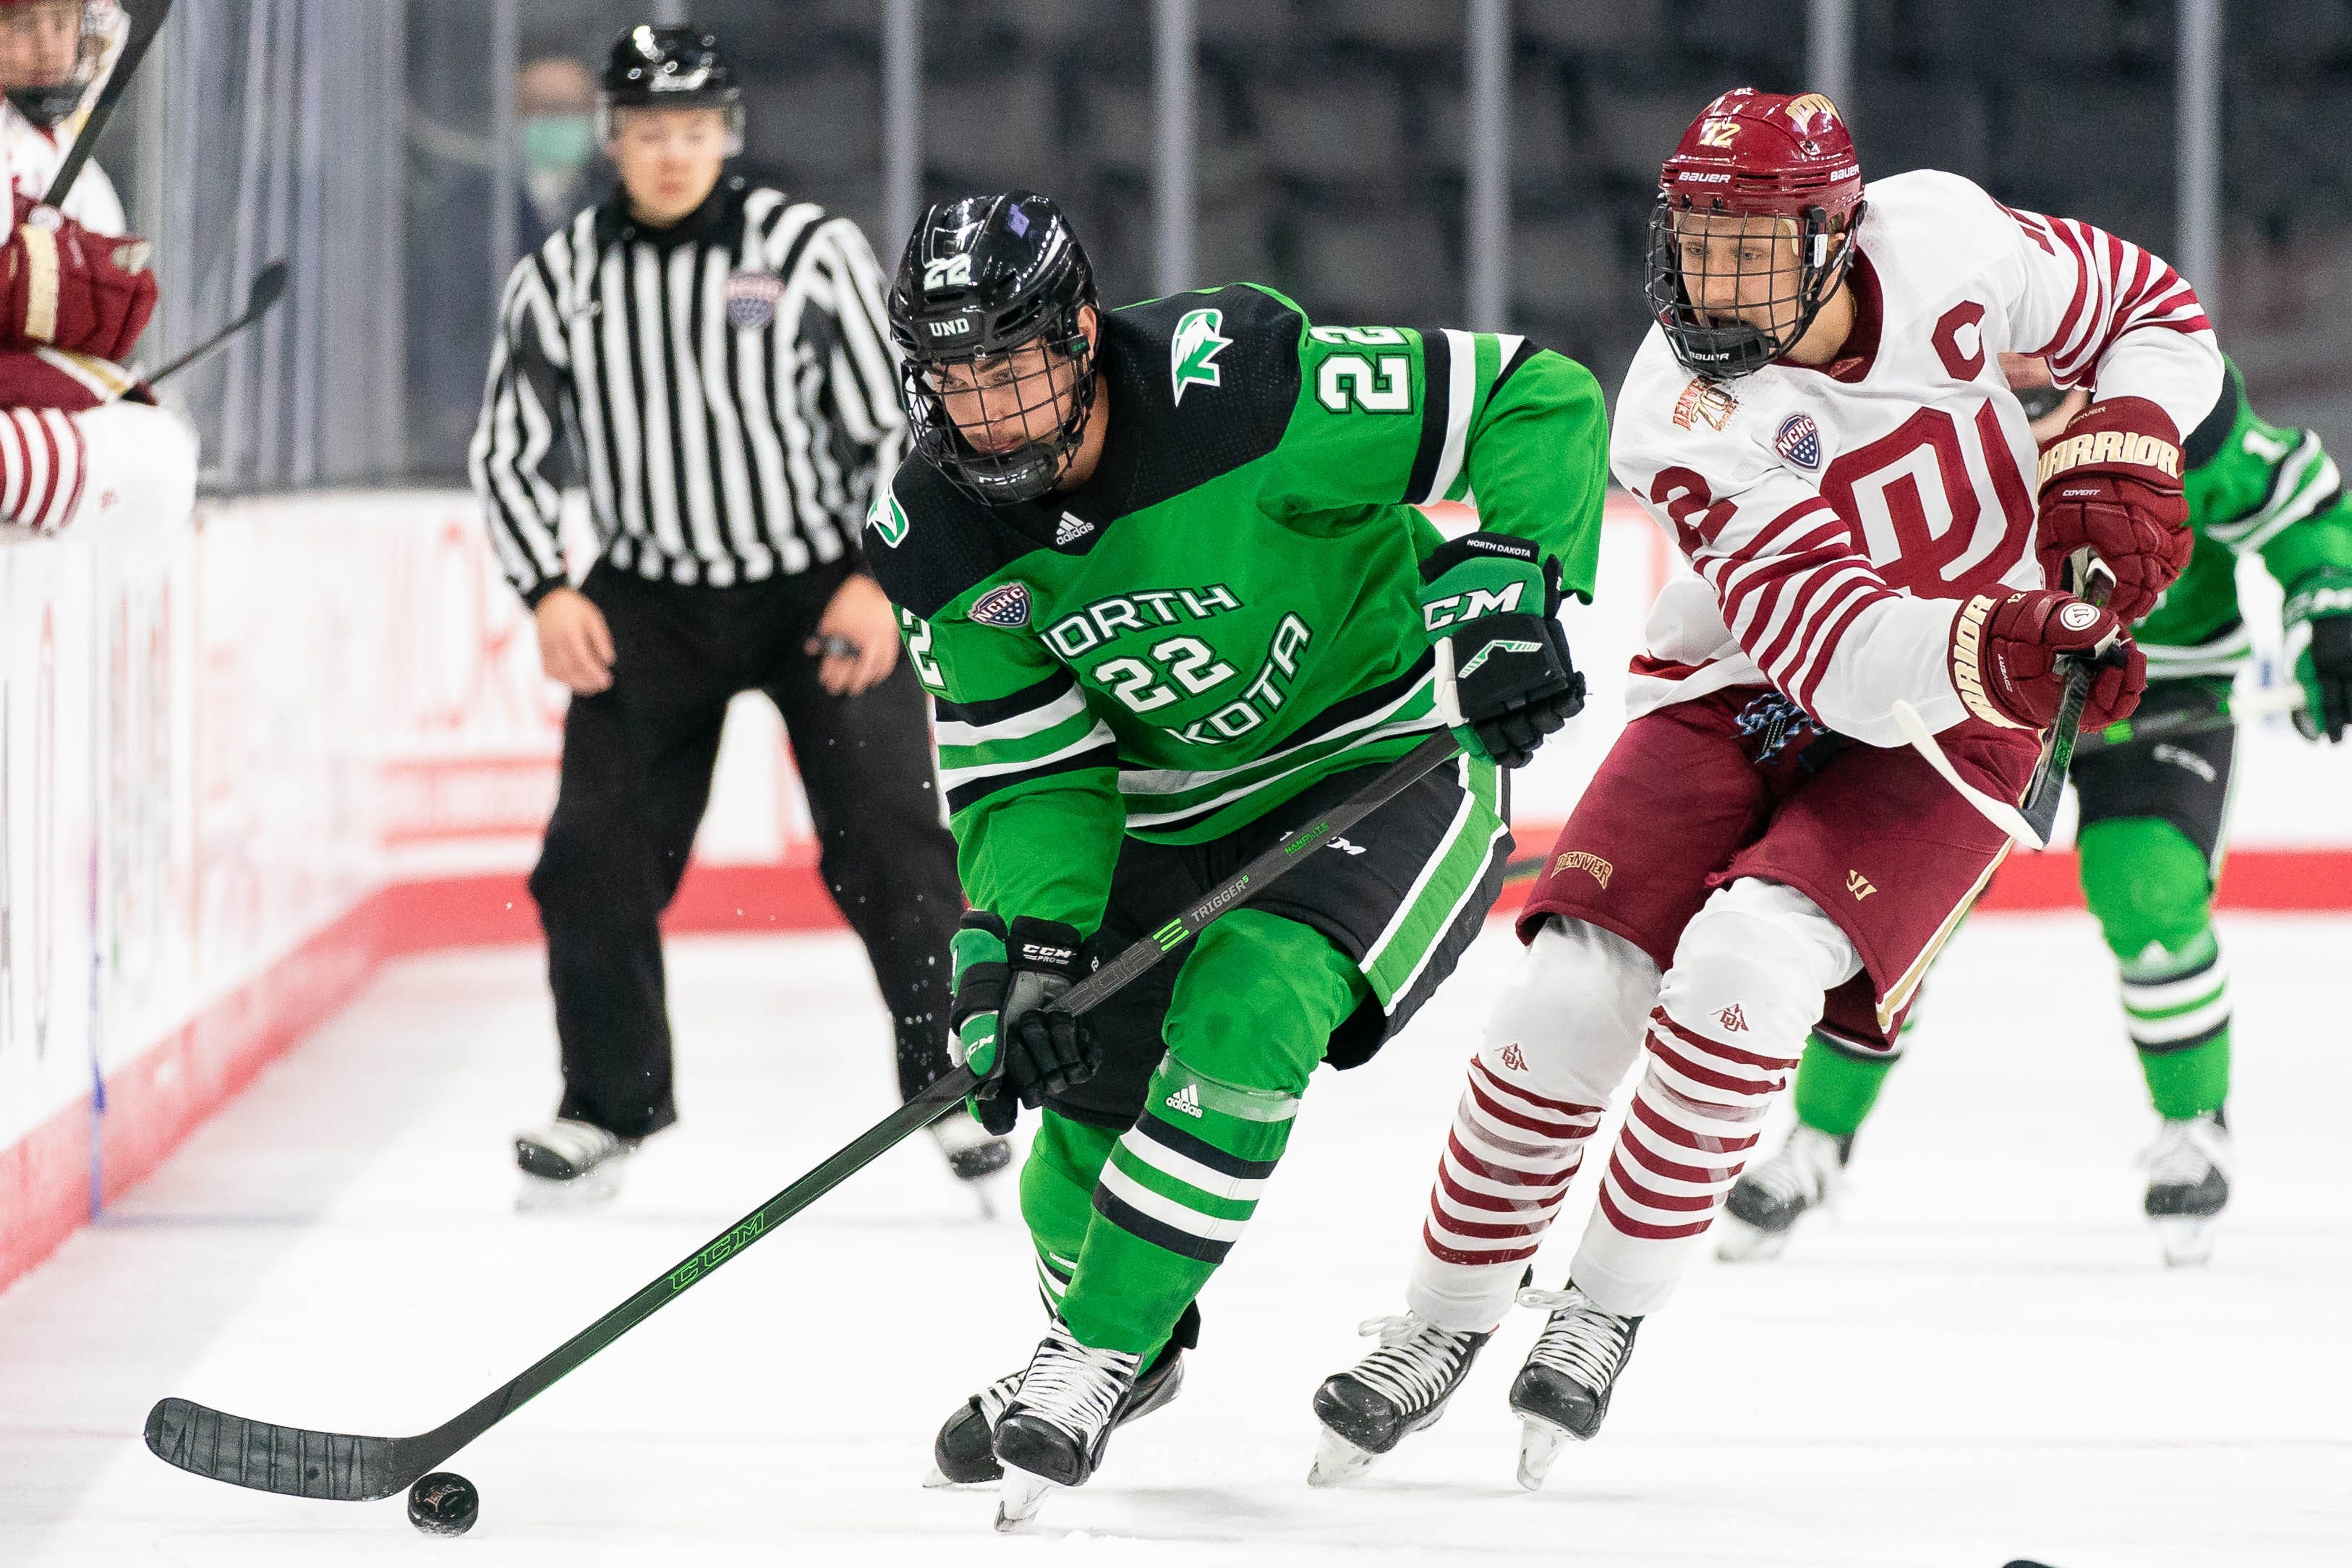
[
  {"x": 938, "y": 1480},
  {"x": 1337, "y": 1460},
  {"x": 1023, "y": 1495},
  {"x": 1741, "y": 1242},
  {"x": 1540, "y": 1444},
  {"x": 539, "y": 1194},
  {"x": 2187, "y": 1239}
]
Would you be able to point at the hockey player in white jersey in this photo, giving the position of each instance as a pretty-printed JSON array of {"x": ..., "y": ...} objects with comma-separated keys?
[
  {"x": 82, "y": 443},
  {"x": 1819, "y": 419},
  {"x": 53, "y": 54}
]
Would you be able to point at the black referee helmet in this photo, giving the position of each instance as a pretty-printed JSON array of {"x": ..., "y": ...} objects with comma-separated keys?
[{"x": 670, "y": 66}]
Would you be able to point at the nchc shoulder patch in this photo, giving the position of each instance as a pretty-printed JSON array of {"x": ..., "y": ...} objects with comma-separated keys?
[{"x": 1006, "y": 606}]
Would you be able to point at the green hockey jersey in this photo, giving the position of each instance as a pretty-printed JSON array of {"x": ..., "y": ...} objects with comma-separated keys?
[
  {"x": 2253, "y": 486},
  {"x": 1225, "y": 612}
]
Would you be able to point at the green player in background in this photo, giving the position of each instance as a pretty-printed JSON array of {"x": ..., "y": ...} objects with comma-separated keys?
[
  {"x": 2155, "y": 794},
  {"x": 1161, "y": 571}
]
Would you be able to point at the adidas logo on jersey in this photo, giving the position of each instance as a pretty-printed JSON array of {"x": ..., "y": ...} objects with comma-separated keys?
[
  {"x": 1186, "y": 1100},
  {"x": 1733, "y": 1020},
  {"x": 1072, "y": 529},
  {"x": 1513, "y": 1058}
]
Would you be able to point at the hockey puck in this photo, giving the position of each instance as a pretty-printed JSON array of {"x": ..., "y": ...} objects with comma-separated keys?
[{"x": 443, "y": 1503}]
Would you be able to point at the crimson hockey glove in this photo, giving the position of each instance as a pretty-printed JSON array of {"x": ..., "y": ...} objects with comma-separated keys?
[
  {"x": 2010, "y": 653},
  {"x": 2318, "y": 622},
  {"x": 1003, "y": 1022},
  {"x": 2111, "y": 485},
  {"x": 1504, "y": 678}
]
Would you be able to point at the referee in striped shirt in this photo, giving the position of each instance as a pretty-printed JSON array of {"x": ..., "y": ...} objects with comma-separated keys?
[{"x": 715, "y": 362}]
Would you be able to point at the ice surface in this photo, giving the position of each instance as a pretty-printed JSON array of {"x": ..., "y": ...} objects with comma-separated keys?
[{"x": 1978, "y": 1358}]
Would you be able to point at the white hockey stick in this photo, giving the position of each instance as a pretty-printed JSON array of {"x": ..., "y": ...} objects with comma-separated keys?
[{"x": 2000, "y": 812}]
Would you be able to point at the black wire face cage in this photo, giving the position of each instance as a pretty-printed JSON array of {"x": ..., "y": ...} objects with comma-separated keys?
[
  {"x": 1715, "y": 343},
  {"x": 1019, "y": 405}
]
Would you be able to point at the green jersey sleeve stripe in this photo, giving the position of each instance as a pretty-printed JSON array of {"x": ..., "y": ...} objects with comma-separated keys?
[
  {"x": 1004, "y": 753},
  {"x": 1513, "y": 357},
  {"x": 2307, "y": 483},
  {"x": 988, "y": 710},
  {"x": 1436, "y": 357},
  {"x": 967, "y": 788},
  {"x": 1461, "y": 402},
  {"x": 1011, "y": 726}
]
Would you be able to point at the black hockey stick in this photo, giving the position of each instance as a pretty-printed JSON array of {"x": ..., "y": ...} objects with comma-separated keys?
[
  {"x": 2048, "y": 788},
  {"x": 348, "y": 1468},
  {"x": 268, "y": 285},
  {"x": 146, "y": 20}
]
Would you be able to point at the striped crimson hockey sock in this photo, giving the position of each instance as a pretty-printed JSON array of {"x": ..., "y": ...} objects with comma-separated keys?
[
  {"x": 1507, "y": 1162},
  {"x": 1174, "y": 1196},
  {"x": 1686, "y": 1137}
]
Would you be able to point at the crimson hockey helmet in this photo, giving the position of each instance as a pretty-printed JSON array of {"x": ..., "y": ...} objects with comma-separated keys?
[
  {"x": 668, "y": 66},
  {"x": 1761, "y": 164},
  {"x": 985, "y": 283},
  {"x": 52, "y": 50}
]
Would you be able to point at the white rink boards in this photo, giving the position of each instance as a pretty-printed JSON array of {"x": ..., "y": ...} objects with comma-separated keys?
[{"x": 1978, "y": 1359}]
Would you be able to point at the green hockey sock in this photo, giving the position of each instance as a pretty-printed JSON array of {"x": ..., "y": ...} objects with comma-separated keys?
[
  {"x": 2177, "y": 1006},
  {"x": 1254, "y": 1007},
  {"x": 2152, "y": 891},
  {"x": 1835, "y": 1088},
  {"x": 1057, "y": 1184}
]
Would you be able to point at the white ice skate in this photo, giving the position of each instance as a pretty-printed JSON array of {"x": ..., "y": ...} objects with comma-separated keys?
[
  {"x": 569, "y": 1165},
  {"x": 1054, "y": 1432},
  {"x": 1562, "y": 1391},
  {"x": 1398, "y": 1389},
  {"x": 2187, "y": 1185},
  {"x": 1768, "y": 1200}
]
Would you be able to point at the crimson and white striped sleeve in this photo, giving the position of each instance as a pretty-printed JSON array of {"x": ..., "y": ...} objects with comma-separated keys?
[
  {"x": 2108, "y": 314},
  {"x": 44, "y": 463},
  {"x": 1809, "y": 606}
]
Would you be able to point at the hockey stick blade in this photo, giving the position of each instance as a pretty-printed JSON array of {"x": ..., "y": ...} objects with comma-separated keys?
[
  {"x": 269, "y": 287},
  {"x": 146, "y": 21},
  {"x": 344, "y": 1468},
  {"x": 2000, "y": 812}
]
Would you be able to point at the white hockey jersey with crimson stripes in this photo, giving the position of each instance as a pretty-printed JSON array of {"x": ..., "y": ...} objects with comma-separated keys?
[{"x": 1833, "y": 518}]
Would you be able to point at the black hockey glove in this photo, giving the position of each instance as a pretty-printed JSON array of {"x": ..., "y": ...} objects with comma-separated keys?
[
  {"x": 2318, "y": 621},
  {"x": 1004, "y": 1022},
  {"x": 1504, "y": 678}
]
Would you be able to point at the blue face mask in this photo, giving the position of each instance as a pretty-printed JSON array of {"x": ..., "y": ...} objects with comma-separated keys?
[{"x": 557, "y": 143}]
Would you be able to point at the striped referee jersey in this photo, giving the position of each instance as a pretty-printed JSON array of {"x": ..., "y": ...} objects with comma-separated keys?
[{"x": 728, "y": 388}]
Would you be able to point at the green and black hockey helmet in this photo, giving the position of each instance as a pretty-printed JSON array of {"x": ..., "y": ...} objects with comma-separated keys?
[
  {"x": 668, "y": 66},
  {"x": 999, "y": 375}
]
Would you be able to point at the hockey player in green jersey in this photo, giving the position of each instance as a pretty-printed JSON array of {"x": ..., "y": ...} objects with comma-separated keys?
[
  {"x": 1161, "y": 571},
  {"x": 2153, "y": 793}
]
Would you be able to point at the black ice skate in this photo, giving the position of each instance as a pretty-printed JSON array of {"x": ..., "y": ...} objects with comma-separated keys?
[
  {"x": 1563, "y": 1389},
  {"x": 1770, "y": 1199},
  {"x": 964, "y": 1452},
  {"x": 1398, "y": 1389},
  {"x": 2187, "y": 1185},
  {"x": 974, "y": 1154},
  {"x": 569, "y": 1164},
  {"x": 1055, "y": 1431}
]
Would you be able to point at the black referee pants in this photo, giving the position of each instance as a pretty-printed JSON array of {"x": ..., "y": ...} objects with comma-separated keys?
[{"x": 637, "y": 760}]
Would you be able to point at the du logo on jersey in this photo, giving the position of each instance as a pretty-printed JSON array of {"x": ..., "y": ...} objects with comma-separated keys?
[
  {"x": 1192, "y": 352},
  {"x": 1800, "y": 441}
]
